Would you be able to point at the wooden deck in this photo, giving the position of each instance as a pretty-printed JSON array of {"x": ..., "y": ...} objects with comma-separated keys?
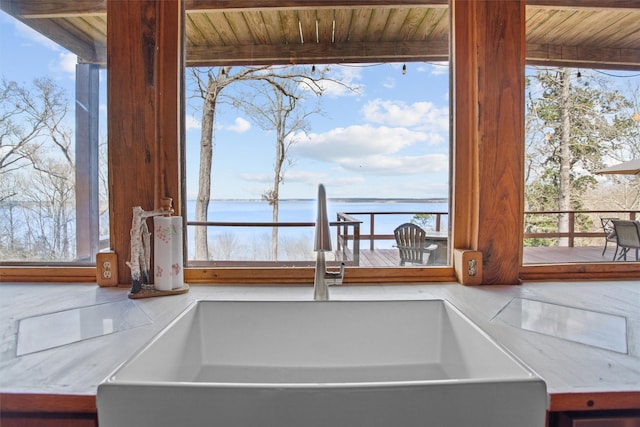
[{"x": 531, "y": 256}]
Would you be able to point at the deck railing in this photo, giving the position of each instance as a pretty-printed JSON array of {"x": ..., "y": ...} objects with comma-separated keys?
[
  {"x": 581, "y": 224},
  {"x": 343, "y": 225},
  {"x": 538, "y": 225},
  {"x": 372, "y": 236}
]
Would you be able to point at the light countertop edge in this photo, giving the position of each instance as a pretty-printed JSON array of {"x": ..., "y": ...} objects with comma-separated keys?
[{"x": 578, "y": 376}]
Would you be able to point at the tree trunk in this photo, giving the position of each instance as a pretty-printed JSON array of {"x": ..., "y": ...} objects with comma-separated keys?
[
  {"x": 274, "y": 231},
  {"x": 277, "y": 178},
  {"x": 204, "y": 175},
  {"x": 564, "y": 184}
]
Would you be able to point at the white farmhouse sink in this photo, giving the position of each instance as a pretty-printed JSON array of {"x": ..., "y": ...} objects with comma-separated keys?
[{"x": 324, "y": 364}]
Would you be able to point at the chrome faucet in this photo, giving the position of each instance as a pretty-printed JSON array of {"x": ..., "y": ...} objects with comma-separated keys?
[{"x": 322, "y": 245}]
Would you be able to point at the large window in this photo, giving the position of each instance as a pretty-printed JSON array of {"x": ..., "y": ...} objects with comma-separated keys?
[
  {"x": 53, "y": 201},
  {"x": 376, "y": 135},
  {"x": 350, "y": 114},
  {"x": 579, "y": 121}
]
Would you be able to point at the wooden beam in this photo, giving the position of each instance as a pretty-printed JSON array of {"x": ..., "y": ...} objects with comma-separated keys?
[
  {"x": 584, "y": 4},
  {"x": 464, "y": 131},
  {"x": 583, "y": 56},
  {"x": 306, "y": 4},
  {"x": 53, "y": 8},
  {"x": 85, "y": 49},
  {"x": 488, "y": 53},
  {"x": 170, "y": 100},
  {"x": 143, "y": 140},
  {"x": 310, "y": 53},
  {"x": 438, "y": 50}
]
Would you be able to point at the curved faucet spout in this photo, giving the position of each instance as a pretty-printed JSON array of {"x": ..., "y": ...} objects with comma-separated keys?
[
  {"x": 322, "y": 245},
  {"x": 323, "y": 236}
]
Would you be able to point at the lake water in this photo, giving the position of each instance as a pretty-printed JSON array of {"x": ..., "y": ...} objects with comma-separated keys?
[{"x": 251, "y": 243}]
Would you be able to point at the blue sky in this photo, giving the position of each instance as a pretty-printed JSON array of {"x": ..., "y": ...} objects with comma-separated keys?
[{"x": 387, "y": 139}]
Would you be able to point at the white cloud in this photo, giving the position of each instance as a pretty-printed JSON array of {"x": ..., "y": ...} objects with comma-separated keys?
[
  {"x": 290, "y": 177},
  {"x": 397, "y": 113},
  {"x": 389, "y": 83},
  {"x": 366, "y": 149},
  {"x": 66, "y": 63},
  {"x": 439, "y": 68},
  {"x": 354, "y": 141},
  {"x": 398, "y": 165},
  {"x": 345, "y": 81},
  {"x": 191, "y": 122},
  {"x": 304, "y": 176},
  {"x": 256, "y": 177},
  {"x": 240, "y": 125}
]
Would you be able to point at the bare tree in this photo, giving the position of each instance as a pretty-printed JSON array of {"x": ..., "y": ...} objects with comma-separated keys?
[
  {"x": 36, "y": 156},
  {"x": 210, "y": 84},
  {"x": 27, "y": 116},
  {"x": 278, "y": 105},
  {"x": 210, "y": 90}
]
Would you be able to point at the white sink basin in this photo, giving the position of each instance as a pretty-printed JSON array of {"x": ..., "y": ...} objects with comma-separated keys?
[{"x": 324, "y": 364}]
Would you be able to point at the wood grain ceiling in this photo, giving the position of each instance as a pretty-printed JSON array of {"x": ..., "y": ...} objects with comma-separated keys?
[{"x": 581, "y": 33}]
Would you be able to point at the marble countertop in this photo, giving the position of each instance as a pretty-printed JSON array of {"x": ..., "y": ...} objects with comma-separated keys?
[{"x": 554, "y": 350}]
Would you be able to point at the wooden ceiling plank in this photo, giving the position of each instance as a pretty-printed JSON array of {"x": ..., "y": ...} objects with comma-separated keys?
[
  {"x": 307, "y": 21},
  {"x": 239, "y": 26},
  {"x": 271, "y": 19},
  {"x": 622, "y": 32},
  {"x": 256, "y": 27},
  {"x": 343, "y": 25},
  {"x": 377, "y": 24},
  {"x": 559, "y": 22},
  {"x": 394, "y": 23},
  {"x": 220, "y": 22},
  {"x": 441, "y": 28},
  {"x": 631, "y": 40},
  {"x": 412, "y": 23},
  {"x": 359, "y": 24},
  {"x": 430, "y": 26},
  {"x": 325, "y": 19},
  {"x": 579, "y": 23},
  {"x": 536, "y": 21},
  {"x": 200, "y": 31},
  {"x": 93, "y": 26},
  {"x": 289, "y": 24}
]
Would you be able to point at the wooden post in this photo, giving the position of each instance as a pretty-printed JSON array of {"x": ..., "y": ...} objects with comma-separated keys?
[
  {"x": 144, "y": 52},
  {"x": 488, "y": 57}
]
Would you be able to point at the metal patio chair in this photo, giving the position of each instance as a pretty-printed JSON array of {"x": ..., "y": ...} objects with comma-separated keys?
[
  {"x": 411, "y": 242},
  {"x": 628, "y": 237},
  {"x": 609, "y": 234}
]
